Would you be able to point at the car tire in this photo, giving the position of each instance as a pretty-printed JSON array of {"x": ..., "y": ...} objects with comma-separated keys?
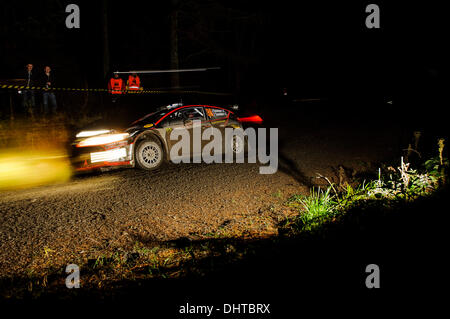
[{"x": 149, "y": 154}]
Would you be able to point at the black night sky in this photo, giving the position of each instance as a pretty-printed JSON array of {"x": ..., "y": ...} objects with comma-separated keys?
[{"x": 316, "y": 48}]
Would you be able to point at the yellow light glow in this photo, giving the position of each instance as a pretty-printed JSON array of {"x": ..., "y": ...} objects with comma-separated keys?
[
  {"x": 103, "y": 139},
  {"x": 22, "y": 169}
]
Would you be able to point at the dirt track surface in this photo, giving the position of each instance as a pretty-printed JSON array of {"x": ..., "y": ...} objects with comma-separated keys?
[{"x": 117, "y": 208}]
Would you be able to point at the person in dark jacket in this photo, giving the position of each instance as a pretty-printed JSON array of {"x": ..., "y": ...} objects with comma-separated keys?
[
  {"x": 28, "y": 101},
  {"x": 47, "y": 82}
]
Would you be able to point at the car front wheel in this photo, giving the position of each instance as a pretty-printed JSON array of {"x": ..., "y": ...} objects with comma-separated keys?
[{"x": 149, "y": 155}]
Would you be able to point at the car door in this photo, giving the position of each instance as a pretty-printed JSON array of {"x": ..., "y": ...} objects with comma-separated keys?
[
  {"x": 218, "y": 118},
  {"x": 186, "y": 119}
]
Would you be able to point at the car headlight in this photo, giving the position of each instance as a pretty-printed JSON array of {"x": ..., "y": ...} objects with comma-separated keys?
[
  {"x": 103, "y": 139},
  {"x": 92, "y": 133}
]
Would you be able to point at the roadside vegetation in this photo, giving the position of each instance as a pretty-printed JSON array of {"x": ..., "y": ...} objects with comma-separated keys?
[{"x": 393, "y": 187}]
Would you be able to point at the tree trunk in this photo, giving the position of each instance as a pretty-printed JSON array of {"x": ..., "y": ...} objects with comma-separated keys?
[
  {"x": 105, "y": 39},
  {"x": 11, "y": 106},
  {"x": 174, "y": 61}
]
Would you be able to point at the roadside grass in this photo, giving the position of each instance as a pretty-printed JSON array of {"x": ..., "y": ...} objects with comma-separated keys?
[
  {"x": 316, "y": 207},
  {"x": 102, "y": 271},
  {"x": 393, "y": 187}
]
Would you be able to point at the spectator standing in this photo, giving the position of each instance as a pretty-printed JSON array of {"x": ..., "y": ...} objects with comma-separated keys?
[
  {"x": 115, "y": 86},
  {"x": 47, "y": 82},
  {"x": 134, "y": 82},
  {"x": 28, "y": 101}
]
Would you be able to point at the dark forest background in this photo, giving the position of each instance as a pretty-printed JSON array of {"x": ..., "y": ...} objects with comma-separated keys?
[{"x": 314, "y": 48}]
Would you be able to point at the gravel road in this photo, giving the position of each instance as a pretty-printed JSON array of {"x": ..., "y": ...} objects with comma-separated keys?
[{"x": 116, "y": 208}]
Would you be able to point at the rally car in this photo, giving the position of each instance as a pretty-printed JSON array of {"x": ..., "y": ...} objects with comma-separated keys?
[{"x": 146, "y": 144}]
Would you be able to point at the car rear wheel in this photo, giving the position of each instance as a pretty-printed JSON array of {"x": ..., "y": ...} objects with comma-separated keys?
[
  {"x": 149, "y": 155},
  {"x": 237, "y": 144}
]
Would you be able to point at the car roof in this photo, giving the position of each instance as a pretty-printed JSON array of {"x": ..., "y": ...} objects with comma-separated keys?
[{"x": 186, "y": 106}]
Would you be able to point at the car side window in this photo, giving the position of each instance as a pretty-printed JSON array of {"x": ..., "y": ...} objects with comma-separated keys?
[
  {"x": 214, "y": 113},
  {"x": 192, "y": 113},
  {"x": 189, "y": 113}
]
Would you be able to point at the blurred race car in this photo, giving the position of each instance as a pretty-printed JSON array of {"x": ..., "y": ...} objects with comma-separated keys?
[{"x": 146, "y": 144}]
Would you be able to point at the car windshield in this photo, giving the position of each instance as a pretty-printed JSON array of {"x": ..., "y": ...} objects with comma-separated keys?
[
  {"x": 155, "y": 116},
  {"x": 152, "y": 117}
]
